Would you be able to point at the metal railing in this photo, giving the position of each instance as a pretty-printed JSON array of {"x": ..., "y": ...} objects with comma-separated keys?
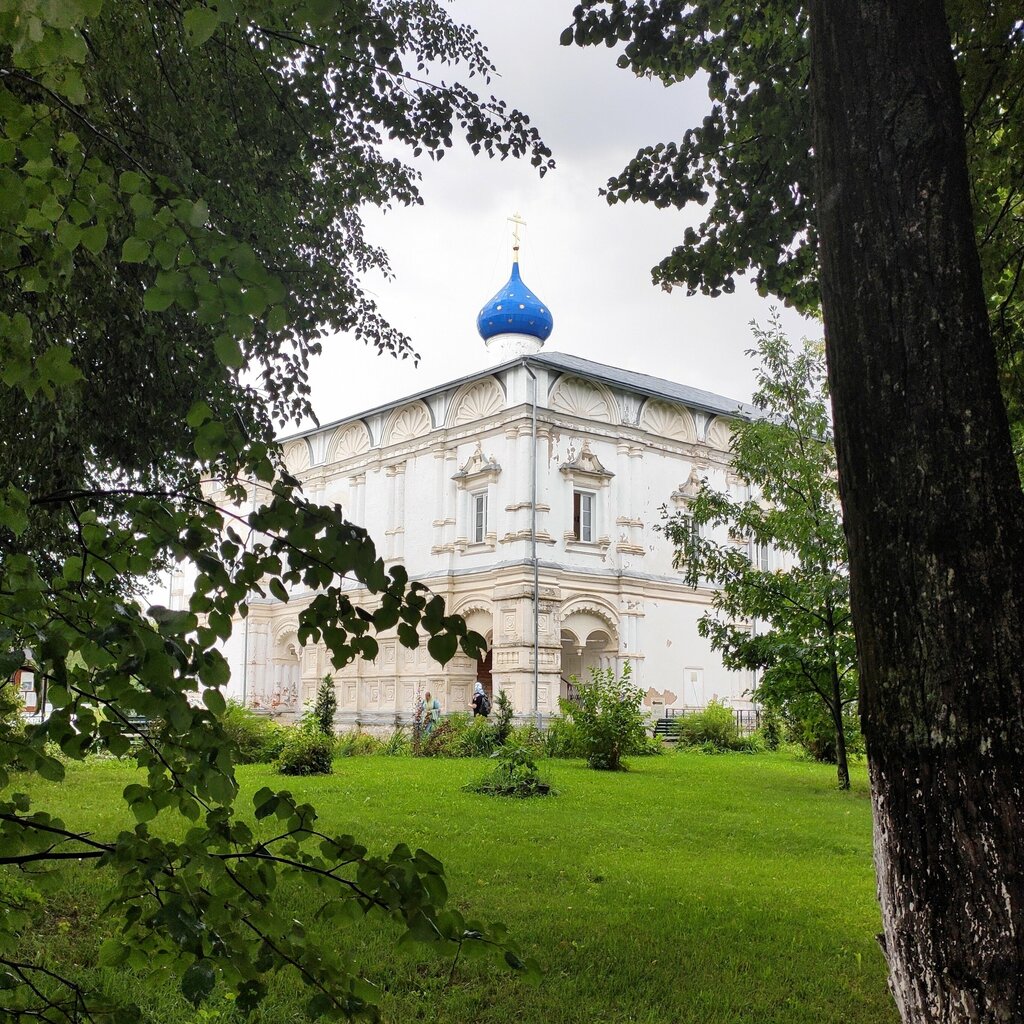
[{"x": 748, "y": 720}]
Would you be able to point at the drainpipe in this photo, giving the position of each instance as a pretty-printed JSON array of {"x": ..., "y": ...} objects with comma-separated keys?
[{"x": 533, "y": 545}]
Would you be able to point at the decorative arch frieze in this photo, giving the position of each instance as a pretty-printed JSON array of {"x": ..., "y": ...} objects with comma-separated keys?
[
  {"x": 349, "y": 441},
  {"x": 587, "y": 399},
  {"x": 476, "y": 401},
  {"x": 584, "y": 607},
  {"x": 298, "y": 455},
  {"x": 286, "y": 631},
  {"x": 407, "y": 423},
  {"x": 720, "y": 433},
  {"x": 666, "y": 419}
]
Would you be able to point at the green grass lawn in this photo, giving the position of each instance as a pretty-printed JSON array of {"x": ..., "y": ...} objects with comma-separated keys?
[{"x": 691, "y": 889}]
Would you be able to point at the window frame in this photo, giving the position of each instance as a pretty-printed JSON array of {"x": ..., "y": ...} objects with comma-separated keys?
[
  {"x": 478, "y": 511},
  {"x": 580, "y": 498}
]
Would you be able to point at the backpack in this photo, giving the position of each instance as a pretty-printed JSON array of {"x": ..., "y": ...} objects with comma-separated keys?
[{"x": 485, "y": 704}]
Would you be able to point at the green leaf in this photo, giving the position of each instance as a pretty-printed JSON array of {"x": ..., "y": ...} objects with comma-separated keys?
[
  {"x": 278, "y": 589},
  {"x": 229, "y": 352},
  {"x": 198, "y": 981},
  {"x": 95, "y": 238},
  {"x": 157, "y": 301},
  {"x": 214, "y": 700},
  {"x": 200, "y": 23},
  {"x": 129, "y": 181},
  {"x": 199, "y": 414},
  {"x": 113, "y": 953},
  {"x": 135, "y": 250},
  {"x": 442, "y": 647}
]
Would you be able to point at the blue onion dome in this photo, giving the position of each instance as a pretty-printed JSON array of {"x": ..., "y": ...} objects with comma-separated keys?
[{"x": 515, "y": 310}]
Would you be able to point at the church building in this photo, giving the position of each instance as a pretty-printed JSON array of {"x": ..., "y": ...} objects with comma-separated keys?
[{"x": 526, "y": 494}]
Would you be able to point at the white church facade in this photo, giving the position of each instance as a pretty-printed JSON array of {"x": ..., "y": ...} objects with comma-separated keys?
[{"x": 526, "y": 495}]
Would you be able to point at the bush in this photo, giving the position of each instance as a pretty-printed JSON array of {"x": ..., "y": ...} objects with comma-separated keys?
[
  {"x": 398, "y": 744},
  {"x": 713, "y": 729},
  {"x": 306, "y": 753},
  {"x": 563, "y": 739},
  {"x": 503, "y": 720},
  {"x": 608, "y": 716},
  {"x": 515, "y": 775},
  {"x": 326, "y": 706},
  {"x": 529, "y": 737},
  {"x": 445, "y": 739},
  {"x": 771, "y": 728},
  {"x": 814, "y": 730},
  {"x": 256, "y": 738},
  {"x": 647, "y": 746},
  {"x": 479, "y": 739},
  {"x": 356, "y": 744}
]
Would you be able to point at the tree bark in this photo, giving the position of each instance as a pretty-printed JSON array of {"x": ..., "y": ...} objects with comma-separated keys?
[
  {"x": 933, "y": 508},
  {"x": 836, "y": 710}
]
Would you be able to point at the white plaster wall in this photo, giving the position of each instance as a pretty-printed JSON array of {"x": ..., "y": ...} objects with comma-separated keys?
[{"x": 632, "y": 570}]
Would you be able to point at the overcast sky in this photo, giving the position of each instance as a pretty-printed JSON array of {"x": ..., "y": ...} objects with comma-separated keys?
[{"x": 589, "y": 262}]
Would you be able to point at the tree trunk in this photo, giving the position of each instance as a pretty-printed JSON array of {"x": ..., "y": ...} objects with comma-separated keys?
[
  {"x": 836, "y": 710},
  {"x": 933, "y": 508}
]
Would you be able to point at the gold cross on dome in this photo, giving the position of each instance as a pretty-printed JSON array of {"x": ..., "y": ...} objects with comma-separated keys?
[{"x": 518, "y": 221}]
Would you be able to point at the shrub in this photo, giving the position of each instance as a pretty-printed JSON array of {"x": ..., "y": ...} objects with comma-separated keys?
[
  {"x": 752, "y": 744},
  {"x": 714, "y": 727},
  {"x": 398, "y": 744},
  {"x": 563, "y": 739},
  {"x": 326, "y": 706},
  {"x": 527, "y": 736},
  {"x": 306, "y": 753},
  {"x": 479, "y": 739},
  {"x": 607, "y": 714},
  {"x": 356, "y": 744},
  {"x": 647, "y": 746},
  {"x": 445, "y": 739},
  {"x": 256, "y": 738},
  {"x": 815, "y": 732},
  {"x": 503, "y": 720},
  {"x": 515, "y": 775},
  {"x": 771, "y": 728}
]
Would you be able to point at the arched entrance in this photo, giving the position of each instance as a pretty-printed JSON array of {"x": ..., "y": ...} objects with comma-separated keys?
[
  {"x": 589, "y": 641},
  {"x": 483, "y": 672}
]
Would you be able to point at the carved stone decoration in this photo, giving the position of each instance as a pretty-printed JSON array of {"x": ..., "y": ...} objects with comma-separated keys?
[
  {"x": 584, "y": 398},
  {"x": 668, "y": 420},
  {"x": 408, "y": 423},
  {"x": 690, "y": 489},
  {"x": 297, "y": 455},
  {"x": 586, "y": 468},
  {"x": 350, "y": 440},
  {"x": 478, "y": 469},
  {"x": 478, "y": 401},
  {"x": 720, "y": 434},
  {"x": 629, "y": 408}
]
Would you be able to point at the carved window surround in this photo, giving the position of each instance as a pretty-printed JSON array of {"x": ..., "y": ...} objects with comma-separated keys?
[
  {"x": 478, "y": 471},
  {"x": 586, "y": 470}
]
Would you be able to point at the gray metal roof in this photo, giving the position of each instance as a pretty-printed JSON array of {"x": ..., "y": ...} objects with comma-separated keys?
[{"x": 628, "y": 380}]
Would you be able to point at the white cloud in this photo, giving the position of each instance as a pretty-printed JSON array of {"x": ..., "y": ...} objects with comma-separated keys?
[{"x": 589, "y": 262}]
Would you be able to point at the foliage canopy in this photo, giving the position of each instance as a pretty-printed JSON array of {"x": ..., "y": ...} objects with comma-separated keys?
[
  {"x": 180, "y": 193},
  {"x": 750, "y": 161},
  {"x": 791, "y": 623}
]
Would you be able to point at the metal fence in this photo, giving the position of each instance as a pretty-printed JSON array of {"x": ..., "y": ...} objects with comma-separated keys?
[{"x": 747, "y": 719}]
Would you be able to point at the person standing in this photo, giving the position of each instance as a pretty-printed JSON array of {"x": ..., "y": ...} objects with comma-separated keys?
[
  {"x": 480, "y": 702},
  {"x": 431, "y": 713}
]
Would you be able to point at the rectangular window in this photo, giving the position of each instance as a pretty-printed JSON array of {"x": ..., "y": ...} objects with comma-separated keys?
[
  {"x": 762, "y": 557},
  {"x": 583, "y": 516},
  {"x": 480, "y": 517}
]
